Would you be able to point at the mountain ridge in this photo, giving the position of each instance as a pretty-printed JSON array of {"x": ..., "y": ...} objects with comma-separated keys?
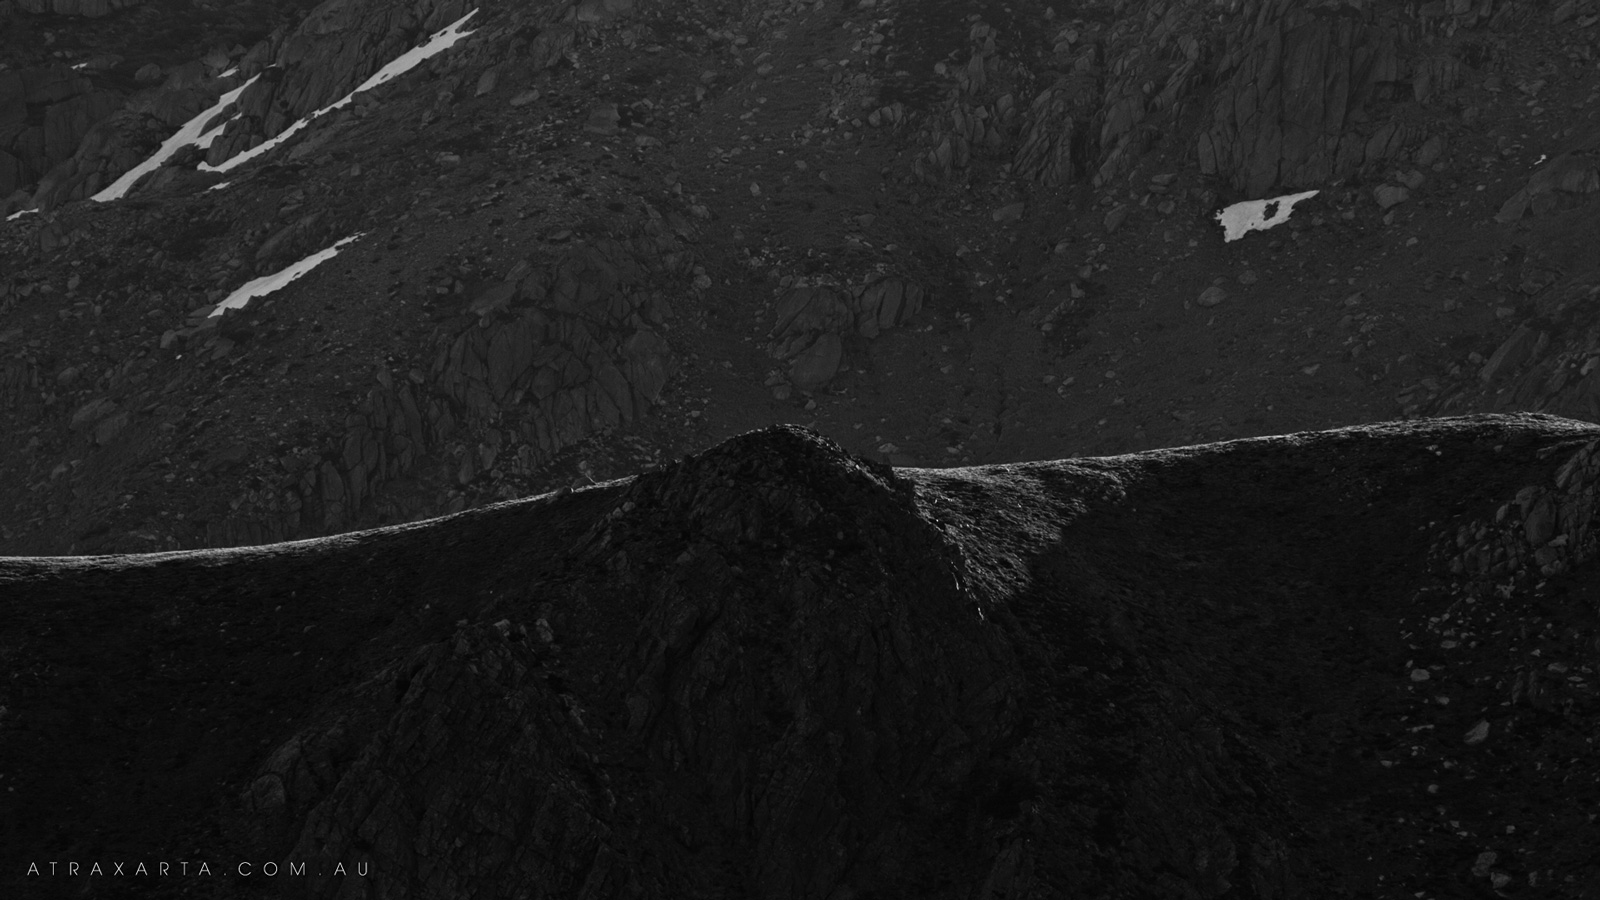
[
  {"x": 609, "y": 235},
  {"x": 1014, "y": 667}
]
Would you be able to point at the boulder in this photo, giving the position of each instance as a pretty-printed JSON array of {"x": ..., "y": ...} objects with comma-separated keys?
[
  {"x": 603, "y": 120},
  {"x": 495, "y": 298},
  {"x": 1521, "y": 347},
  {"x": 1011, "y": 212},
  {"x": 1514, "y": 208},
  {"x": 550, "y": 46},
  {"x": 1430, "y": 151},
  {"x": 804, "y": 310},
  {"x": 284, "y": 242},
  {"x": 1389, "y": 195},
  {"x": 817, "y": 364},
  {"x": 92, "y": 412},
  {"x": 110, "y": 427}
]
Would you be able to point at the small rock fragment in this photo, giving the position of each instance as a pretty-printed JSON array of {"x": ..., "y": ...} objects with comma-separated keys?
[
  {"x": 1011, "y": 212},
  {"x": 1389, "y": 195},
  {"x": 603, "y": 120},
  {"x": 1477, "y": 735}
]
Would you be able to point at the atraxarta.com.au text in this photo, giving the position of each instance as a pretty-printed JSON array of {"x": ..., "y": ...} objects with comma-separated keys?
[{"x": 200, "y": 868}]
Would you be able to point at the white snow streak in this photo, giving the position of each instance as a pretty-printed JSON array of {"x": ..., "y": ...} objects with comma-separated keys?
[
  {"x": 1251, "y": 215},
  {"x": 405, "y": 62},
  {"x": 266, "y": 284},
  {"x": 189, "y": 134}
]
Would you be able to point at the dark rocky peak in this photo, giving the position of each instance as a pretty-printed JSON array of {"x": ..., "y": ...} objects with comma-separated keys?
[
  {"x": 1319, "y": 665},
  {"x": 781, "y": 480}
]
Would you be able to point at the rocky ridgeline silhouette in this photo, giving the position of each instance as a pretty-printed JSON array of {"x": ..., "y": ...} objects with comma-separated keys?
[{"x": 775, "y": 670}]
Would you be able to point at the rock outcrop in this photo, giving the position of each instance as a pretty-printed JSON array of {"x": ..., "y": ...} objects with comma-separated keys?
[
  {"x": 1565, "y": 182},
  {"x": 1547, "y": 363},
  {"x": 1286, "y": 96},
  {"x": 1292, "y": 93},
  {"x": 44, "y": 114}
]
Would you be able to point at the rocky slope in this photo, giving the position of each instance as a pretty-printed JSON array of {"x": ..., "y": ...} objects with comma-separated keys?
[
  {"x": 592, "y": 236},
  {"x": 1356, "y": 663},
  {"x": 81, "y": 74}
]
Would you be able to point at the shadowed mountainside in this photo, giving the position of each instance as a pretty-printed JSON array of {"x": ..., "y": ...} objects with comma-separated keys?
[
  {"x": 593, "y": 235},
  {"x": 1354, "y": 663}
]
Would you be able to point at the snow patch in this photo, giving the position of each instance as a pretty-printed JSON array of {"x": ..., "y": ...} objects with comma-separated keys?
[
  {"x": 19, "y": 214},
  {"x": 266, "y": 284},
  {"x": 219, "y": 186},
  {"x": 1258, "y": 215},
  {"x": 190, "y": 133},
  {"x": 441, "y": 41},
  {"x": 232, "y": 71}
]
